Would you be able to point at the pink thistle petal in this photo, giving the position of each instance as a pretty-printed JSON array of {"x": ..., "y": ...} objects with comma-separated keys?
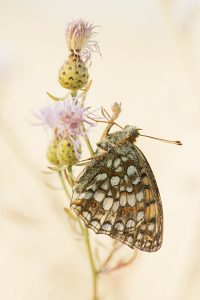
[
  {"x": 66, "y": 119},
  {"x": 80, "y": 38}
]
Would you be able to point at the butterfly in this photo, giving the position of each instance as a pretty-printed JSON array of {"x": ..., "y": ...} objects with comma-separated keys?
[{"x": 116, "y": 193}]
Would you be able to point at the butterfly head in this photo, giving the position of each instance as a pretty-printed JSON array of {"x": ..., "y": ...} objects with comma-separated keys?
[{"x": 132, "y": 132}]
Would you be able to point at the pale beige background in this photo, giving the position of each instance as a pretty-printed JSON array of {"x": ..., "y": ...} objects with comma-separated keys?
[{"x": 151, "y": 63}]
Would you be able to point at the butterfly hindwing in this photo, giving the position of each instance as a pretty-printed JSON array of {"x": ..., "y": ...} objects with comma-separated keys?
[{"x": 116, "y": 194}]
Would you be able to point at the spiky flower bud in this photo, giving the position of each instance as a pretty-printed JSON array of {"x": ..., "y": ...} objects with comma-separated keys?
[
  {"x": 52, "y": 152},
  {"x": 73, "y": 74},
  {"x": 66, "y": 153}
]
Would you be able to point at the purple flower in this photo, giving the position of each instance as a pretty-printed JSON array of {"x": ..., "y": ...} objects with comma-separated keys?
[
  {"x": 66, "y": 118},
  {"x": 80, "y": 38},
  {"x": 70, "y": 118}
]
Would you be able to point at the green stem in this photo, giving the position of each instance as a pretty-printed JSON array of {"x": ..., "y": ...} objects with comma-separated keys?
[
  {"x": 92, "y": 264},
  {"x": 64, "y": 185},
  {"x": 85, "y": 233},
  {"x": 94, "y": 271},
  {"x": 73, "y": 93},
  {"x": 87, "y": 141}
]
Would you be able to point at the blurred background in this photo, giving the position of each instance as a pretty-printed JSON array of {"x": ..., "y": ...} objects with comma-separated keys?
[{"x": 151, "y": 64}]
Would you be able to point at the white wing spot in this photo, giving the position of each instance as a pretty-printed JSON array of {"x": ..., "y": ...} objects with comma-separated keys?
[
  {"x": 109, "y": 163},
  {"x": 119, "y": 169},
  {"x": 139, "y": 196},
  {"x": 105, "y": 185},
  {"x": 126, "y": 179},
  {"x": 114, "y": 180},
  {"x": 82, "y": 196},
  {"x": 99, "y": 195},
  {"x": 107, "y": 203},
  {"x": 129, "y": 188},
  {"x": 130, "y": 223},
  {"x": 117, "y": 162},
  {"x": 101, "y": 176},
  {"x": 140, "y": 215},
  {"x": 106, "y": 227},
  {"x": 115, "y": 206},
  {"x": 119, "y": 226},
  {"x": 87, "y": 215},
  {"x": 95, "y": 224},
  {"x": 110, "y": 193},
  {"x": 139, "y": 236},
  {"x": 123, "y": 199},
  {"x": 87, "y": 195},
  {"x": 131, "y": 170},
  {"x": 151, "y": 226},
  {"x": 148, "y": 244},
  {"x": 124, "y": 158},
  {"x": 131, "y": 199}
]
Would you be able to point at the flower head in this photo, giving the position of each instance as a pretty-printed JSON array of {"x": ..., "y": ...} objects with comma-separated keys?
[
  {"x": 70, "y": 116},
  {"x": 66, "y": 119},
  {"x": 79, "y": 36},
  {"x": 47, "y": 116}
]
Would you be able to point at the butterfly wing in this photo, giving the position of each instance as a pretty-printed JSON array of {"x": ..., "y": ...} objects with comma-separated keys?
[
  {"x": 116, "y": 194},
  {"x": 149, "y": 234}
]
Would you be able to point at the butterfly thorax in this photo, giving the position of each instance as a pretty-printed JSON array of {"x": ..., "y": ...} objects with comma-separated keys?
[{"x": 128, "y": 134}]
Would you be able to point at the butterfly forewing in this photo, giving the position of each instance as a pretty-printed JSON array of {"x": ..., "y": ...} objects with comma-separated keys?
[{"x": 116, "y": 194}]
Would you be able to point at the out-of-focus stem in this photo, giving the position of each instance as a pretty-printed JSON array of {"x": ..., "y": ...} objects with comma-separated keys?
[
  {"x": 74, "y": 93},
  {"x": 86, "y": 236},
  {"x": 64, "y": 185},
  {"x": 92, "y": 263}
]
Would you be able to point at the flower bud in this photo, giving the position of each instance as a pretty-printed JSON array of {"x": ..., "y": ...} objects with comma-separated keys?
[
  {"x": 52, "y": 152},
  {"x": 73, "y": 74},
  {"x": 66, "y": 152}
]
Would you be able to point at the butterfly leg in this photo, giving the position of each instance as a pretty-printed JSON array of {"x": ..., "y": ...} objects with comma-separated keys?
[{"x": 116, "y": 109}]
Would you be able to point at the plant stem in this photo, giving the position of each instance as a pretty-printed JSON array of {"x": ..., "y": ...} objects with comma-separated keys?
[
  {"x": 64, "y": 185},
  {"x": 85, "y": 233},
  {"x": 92, "y": 264},
  {"x": 87, "y": 141}
]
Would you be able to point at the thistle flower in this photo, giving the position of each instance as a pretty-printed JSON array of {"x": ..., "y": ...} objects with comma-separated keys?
[
  {"x": 65, "y": 119},
  {"x": 80, "y": 38},
  {"x": 70, "y": 116},
  {"x": 48, "y": 116},
  {"x": 73, "y": 74}
]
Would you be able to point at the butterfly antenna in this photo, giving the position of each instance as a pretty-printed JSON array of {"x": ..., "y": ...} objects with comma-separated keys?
[{"x": 162, "y": 140}]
